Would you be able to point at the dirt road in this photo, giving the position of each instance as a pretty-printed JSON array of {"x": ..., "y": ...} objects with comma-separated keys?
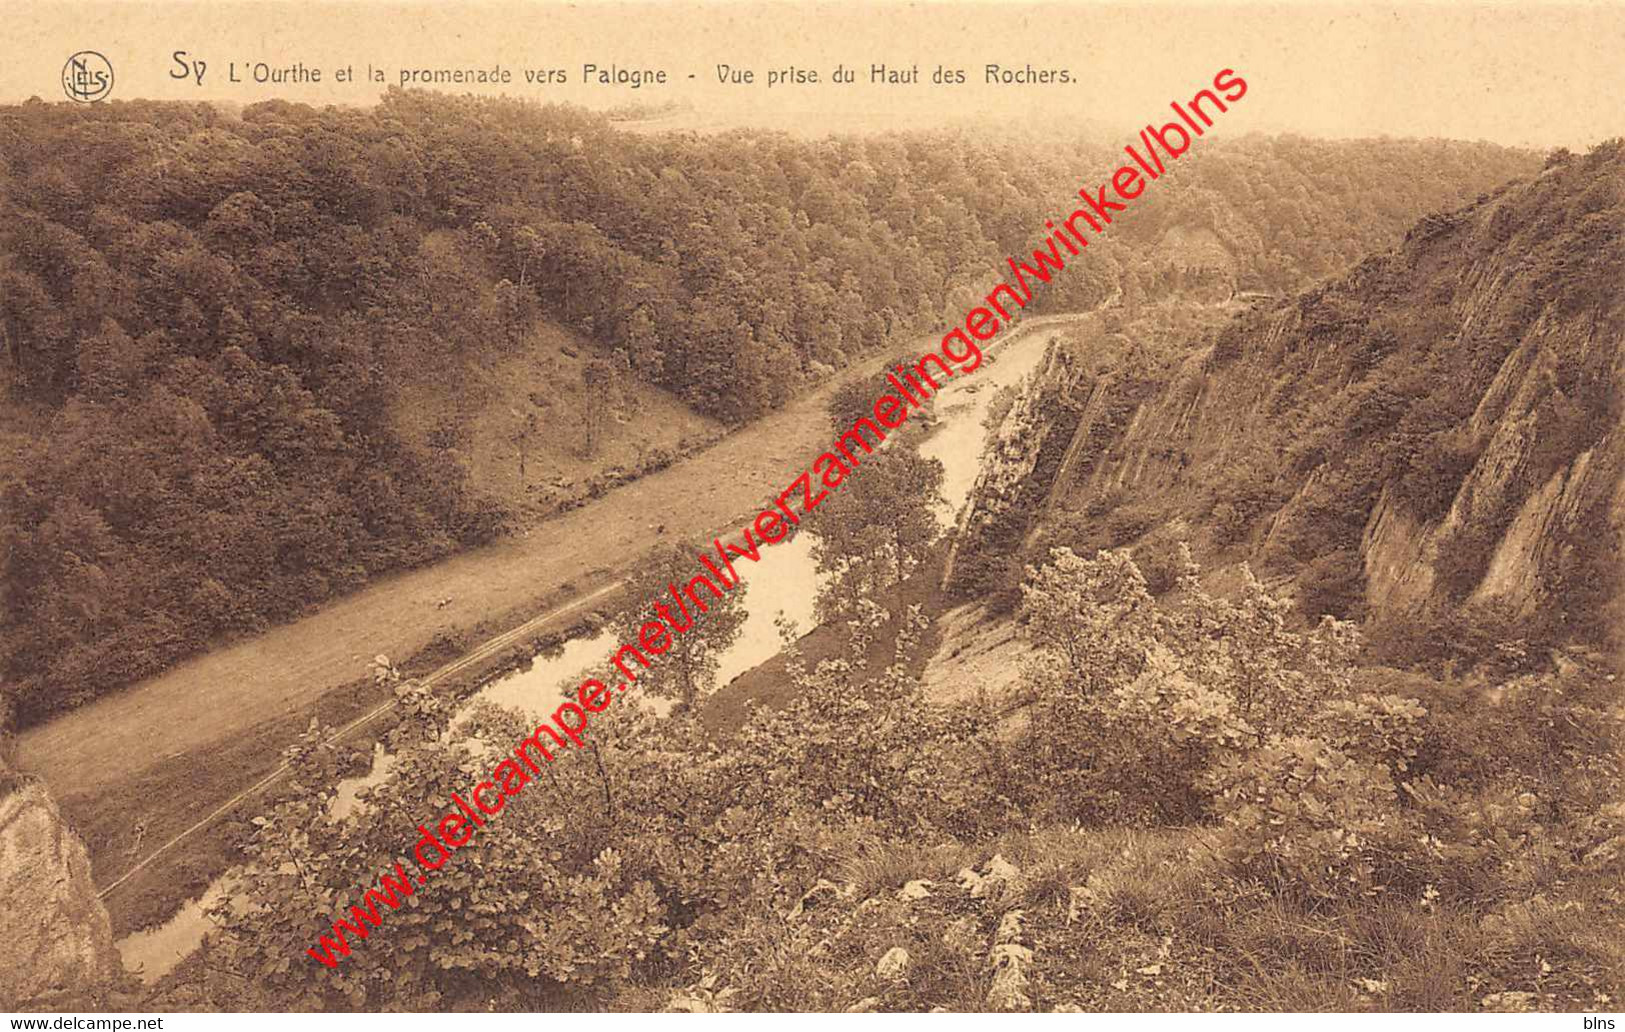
[{"x": 277, "y": 673}]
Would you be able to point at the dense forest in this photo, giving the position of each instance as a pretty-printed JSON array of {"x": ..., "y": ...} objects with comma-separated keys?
[{"x": 206, "y": 316}]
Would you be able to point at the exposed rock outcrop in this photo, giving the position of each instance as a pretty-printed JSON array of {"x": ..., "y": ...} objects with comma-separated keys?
[
  {"x": 1441, "y": 426},
  {"x": 56, "y": 942}
]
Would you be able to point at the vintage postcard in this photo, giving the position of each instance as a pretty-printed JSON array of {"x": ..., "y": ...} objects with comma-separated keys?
[{"x": 938, "y": 507}]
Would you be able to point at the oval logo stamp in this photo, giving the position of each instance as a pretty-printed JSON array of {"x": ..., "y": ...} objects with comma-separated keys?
[{"x": 87, "y": 77}]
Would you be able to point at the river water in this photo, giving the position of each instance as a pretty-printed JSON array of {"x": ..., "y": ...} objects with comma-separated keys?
[{"x": 785, "y": 583}]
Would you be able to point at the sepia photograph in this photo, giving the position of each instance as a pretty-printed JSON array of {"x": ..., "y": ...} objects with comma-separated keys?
[{"x": 701, "y": 508}]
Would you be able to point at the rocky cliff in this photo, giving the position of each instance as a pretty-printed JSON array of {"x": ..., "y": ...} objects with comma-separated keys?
[
  {"x": 1437, "y": 429},
  {"x": 56, "y": 943}
]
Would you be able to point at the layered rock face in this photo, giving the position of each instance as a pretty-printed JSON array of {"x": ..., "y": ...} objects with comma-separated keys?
[
  {"x": 56, "y": 942},
  {"x": 1545, "y": 511},
  {"x": 1443, "y": 423}
]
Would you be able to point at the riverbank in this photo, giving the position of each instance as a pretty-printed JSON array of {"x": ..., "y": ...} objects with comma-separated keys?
[{"x": 130, "y": 761}]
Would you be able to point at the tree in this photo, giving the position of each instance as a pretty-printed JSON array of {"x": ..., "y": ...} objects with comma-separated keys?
[
  {"x": 600, "y": 383},
  {"x": 687, "y": 670},
  {"x": 876, "y": 527},
  {"x": 522, "y": 436},
  {"x": 514, "y": 311},
  {"x": 855, "y": 400},
  {"x": 643, "y": 344}
]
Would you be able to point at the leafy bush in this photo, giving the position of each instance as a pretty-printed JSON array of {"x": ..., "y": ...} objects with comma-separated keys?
[
  {"x": 1383, "y": 729},
  {"x": 1333, "y": 585},
  {"x": 1161, "y": 558},
  {"x": 1135, "y": 705},
  {"x": 1087, "y": 611},
  {"x": 1308, "y": 819},
  {"x": 1481, "y": 843}
]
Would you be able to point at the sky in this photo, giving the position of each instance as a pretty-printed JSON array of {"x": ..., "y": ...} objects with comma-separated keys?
[{"x": 1540, "y": 74}]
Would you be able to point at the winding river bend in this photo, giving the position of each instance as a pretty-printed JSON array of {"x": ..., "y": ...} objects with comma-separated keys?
[{"x": 784, "y": 584}]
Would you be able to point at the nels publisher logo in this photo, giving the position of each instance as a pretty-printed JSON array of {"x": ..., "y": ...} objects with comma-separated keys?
[{"x": 87, "y": 77}]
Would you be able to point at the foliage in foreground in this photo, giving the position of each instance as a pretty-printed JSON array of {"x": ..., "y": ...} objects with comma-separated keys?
[{"x": 1191, "y": 807}]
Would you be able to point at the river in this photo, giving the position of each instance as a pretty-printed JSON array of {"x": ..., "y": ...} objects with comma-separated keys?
[{"x": 785, "y": 584}]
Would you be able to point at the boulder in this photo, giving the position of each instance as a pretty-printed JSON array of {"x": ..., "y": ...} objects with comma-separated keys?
[
  {"x": 56, "y": 941},
  {"x": 893, "y": 964}
]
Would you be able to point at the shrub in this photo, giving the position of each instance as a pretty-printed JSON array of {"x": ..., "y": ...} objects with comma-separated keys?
[
  {"x": 1226, "y": 349},
  {"x": 1242, "y": 500},
  {"x": 1333, "y": 584},
  {"x": 1427, "y": 489},
  {"x": 1383, "y": 729},
  {"x": 1327, "y": 516},
  {"x": 1307, "y": 819},
  {"x": 1160, "y": 559},
  {"x": 993, "y": 580},
  {"x": 1128, "y": 523},
  {"x": 1481, "y": 843},
  {"x": 1464, "y": 557},
  {"x": 1485, "y": 636}
]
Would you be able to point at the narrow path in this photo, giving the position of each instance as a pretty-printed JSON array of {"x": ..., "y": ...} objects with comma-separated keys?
[
  {"x": 485, "y": 651},
  {"x": 207, "y": 699}
]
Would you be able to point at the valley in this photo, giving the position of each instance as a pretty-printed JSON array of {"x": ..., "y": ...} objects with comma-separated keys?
[
  {"x": 1243, "y": 635},
  {"x": 95, "y": 758}
]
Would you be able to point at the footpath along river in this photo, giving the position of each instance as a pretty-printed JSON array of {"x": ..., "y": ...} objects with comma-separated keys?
[{"x": 783, "y": 584}]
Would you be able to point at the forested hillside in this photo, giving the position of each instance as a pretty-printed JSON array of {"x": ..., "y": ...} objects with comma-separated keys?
[
  {"x": 1431, "y": 441},
  {"x": 206, "y": 319}
]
